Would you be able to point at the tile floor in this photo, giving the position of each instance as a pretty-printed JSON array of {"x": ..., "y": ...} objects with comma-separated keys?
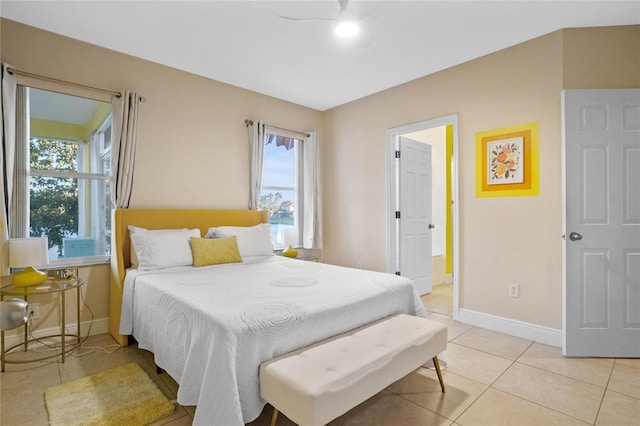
[{"x": 491, "y": 378}]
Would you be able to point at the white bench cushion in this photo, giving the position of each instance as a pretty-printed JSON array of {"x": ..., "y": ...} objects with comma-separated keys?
[{"x": 314, "y": 385}]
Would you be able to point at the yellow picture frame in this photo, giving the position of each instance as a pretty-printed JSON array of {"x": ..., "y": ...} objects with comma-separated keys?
[{"x": 524, "y": 160}]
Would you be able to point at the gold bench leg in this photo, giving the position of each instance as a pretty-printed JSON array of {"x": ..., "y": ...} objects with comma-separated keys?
[
  {"x": 437, "y": 365},
  {"x": 274, "y": 417}
]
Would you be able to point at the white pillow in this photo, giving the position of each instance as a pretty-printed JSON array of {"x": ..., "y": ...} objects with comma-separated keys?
[
  {"x": 252, "y": 240},
  {"x": 161, "y": 248}
]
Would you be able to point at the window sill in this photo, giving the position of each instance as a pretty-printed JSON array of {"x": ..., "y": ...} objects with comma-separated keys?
[{"x": 77, "y": 262}]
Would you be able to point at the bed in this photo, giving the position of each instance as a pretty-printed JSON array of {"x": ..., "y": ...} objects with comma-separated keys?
[{"x": 211, "y": 327}]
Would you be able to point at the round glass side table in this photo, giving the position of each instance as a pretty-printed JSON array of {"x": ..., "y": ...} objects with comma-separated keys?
[{"x": 50, "y": 286}]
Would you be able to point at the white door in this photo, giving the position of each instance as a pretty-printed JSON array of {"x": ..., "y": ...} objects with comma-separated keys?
[
  {"x": 602, "y": 230},
  {"x": 415, "y": 213}
]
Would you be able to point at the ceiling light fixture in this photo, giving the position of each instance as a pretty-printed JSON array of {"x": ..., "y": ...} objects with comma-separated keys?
[{"x": 347, "y": 28}]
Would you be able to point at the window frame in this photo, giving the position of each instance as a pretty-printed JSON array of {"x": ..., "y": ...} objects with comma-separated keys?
[
  {"x": 297, "y": 190},
  {"x": 84, "y": 159}
]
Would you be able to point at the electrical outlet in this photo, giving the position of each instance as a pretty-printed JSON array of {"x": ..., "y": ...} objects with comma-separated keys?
[
  {"x": 359, "y": 264},
  {"x": 514, "y": 290},
  {"x": 34, "y": 311}
]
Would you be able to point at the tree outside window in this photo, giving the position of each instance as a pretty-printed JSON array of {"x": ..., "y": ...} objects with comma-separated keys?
[{"x": 53, "y": 200}]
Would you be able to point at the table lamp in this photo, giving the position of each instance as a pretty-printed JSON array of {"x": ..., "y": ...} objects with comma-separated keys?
[{"x": 24, "y": 253}]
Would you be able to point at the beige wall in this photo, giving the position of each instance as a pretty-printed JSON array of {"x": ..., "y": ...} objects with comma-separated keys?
[
  {"x": 192, "y": 150},
  {"x": 192, "y": 141},
  {"x": 502, "y": 240},
  {"x": 601, "y": 58}
]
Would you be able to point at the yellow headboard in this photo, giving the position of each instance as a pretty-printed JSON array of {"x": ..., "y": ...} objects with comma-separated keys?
[{"x": 160, "y": 219}]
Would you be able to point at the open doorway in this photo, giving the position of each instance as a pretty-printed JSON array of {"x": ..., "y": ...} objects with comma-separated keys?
[
  {"x": 441, "y": 135},
  {"x": 440, "y": 299}
]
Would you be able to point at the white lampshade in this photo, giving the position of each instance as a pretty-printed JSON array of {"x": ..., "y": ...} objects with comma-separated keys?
[
  {"x": 28, "y": 252},
  {"x": 291, "y": 237}
]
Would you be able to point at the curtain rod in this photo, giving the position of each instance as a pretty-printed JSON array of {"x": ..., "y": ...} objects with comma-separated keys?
[
  {"x": 250, "y": 123},
  {"x": 68, "y": 83}
]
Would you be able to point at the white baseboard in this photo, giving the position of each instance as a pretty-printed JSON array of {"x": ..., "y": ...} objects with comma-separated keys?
[
  {"x": 99, "y": 326},
  {"x": 545, "y": 335}
]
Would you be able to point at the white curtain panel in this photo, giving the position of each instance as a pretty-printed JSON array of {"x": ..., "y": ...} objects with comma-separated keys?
[
  {"x": 7, "y": 160},
  {"x": 123, "y": 147},
  {"x": 312, "y": 228},
  {"x": 19, "y": 208},
  {"x": 256, "y": 150}
]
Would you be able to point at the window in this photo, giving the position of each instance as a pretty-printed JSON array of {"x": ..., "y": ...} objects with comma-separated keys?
[
  {"x": 280, "y": 189},
  {"x": 68, "y": 157}
]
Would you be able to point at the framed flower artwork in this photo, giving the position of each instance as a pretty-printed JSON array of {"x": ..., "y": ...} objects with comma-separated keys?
[{"x": 507, "y": 161}]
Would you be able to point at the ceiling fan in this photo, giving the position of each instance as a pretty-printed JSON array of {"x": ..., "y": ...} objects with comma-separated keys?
[{"x": 346, "y": 24}]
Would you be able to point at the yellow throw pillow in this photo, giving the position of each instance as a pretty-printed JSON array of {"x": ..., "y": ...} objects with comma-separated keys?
[{"x": 213, "y": 251}]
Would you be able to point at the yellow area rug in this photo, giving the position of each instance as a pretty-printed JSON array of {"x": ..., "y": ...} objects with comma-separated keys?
[{"x": 120, "y": 396}]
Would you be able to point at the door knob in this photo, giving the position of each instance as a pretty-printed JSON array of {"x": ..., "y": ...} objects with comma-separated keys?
[
  {"x": 431, "y": 226},
  {"x": 574, "y": 236}
]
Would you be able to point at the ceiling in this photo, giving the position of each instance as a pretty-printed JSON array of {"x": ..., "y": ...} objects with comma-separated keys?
[
  {"x": 246, "y": 44},
  {"x": 59, "y": 107}
]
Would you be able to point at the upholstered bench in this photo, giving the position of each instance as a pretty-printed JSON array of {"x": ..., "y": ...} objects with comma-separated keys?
[{"x": 316, "y": 384}]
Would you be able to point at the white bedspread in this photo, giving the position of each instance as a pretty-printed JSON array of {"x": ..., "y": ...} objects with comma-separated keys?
[{"x": 210, "y": 328}]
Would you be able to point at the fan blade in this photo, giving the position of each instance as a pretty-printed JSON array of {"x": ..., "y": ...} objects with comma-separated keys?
[
  {"x": 291, "y": 18},
  {"x": 343, "y": 5}
]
